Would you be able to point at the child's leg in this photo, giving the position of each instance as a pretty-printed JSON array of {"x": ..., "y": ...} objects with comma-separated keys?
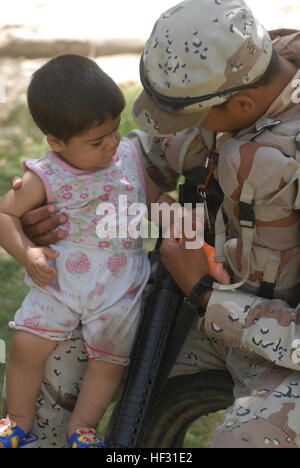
[
  {"x": 99, "y": 385},
  {"x": 25, "y": 371}
]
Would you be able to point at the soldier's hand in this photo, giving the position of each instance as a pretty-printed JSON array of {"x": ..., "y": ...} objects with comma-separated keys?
[{"x": 187, "y": 266}]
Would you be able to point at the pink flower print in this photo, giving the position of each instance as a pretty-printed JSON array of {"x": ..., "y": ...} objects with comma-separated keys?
[
  {"x": 32, "y": 322},
  {"x": 127, "y": 183},
  {"x": 108, "y": 188},
  {"x": 104, "y": 317},
  {"x": 49, "y": 172},
  {"x": 116, "y": 263},
  {"x": 78, "y": 263},
  {"x": 104, "y": 197},
  {"x": 67, "y": 196},
  {"x": 67, "y": 187},
  {"x": 84, "y": 196},
  {"x": 99, "y": 288},
  {"x": 103, "y": 244},
  {"x": 88, "y": 231},
  {"x": 97, "y": 291},
  {"x": 127, "y": 244},
  {"x": 104, "y": 344},
  {"x": 67, "y": 324}
]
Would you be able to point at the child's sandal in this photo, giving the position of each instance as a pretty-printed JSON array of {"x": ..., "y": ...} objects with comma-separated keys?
[
  {"x": 12, "y": 436},
  {"x": 85, "y": 438}
]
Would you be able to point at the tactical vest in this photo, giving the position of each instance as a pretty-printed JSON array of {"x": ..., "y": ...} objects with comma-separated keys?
[{"x": 260, "y": 177}]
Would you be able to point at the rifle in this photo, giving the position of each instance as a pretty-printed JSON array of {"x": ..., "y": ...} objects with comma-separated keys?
[{"x": 160, "y": 336}]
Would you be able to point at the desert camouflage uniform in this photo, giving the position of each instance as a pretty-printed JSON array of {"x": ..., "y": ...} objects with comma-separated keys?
[{"x": 255, "y": 339}]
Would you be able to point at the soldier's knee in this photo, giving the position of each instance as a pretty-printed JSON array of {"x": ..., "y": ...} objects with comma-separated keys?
[{"x": 256, "y": 433}]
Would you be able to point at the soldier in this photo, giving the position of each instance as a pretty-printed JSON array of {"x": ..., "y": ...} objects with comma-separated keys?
[
  {"x": 210, "y": 66},
  {"x": 210, "y": 70}
]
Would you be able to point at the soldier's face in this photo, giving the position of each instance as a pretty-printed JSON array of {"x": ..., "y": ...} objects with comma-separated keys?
[{"x": 239, "y": 112}]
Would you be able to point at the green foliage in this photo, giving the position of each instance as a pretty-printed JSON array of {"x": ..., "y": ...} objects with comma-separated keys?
[
  {"x": 127, "y": 123},
  {"x": 202, "y": 431}
]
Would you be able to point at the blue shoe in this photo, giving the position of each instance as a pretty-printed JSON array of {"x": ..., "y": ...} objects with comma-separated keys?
[
  {"x": 12, "y": 436},
  {"x": 85, "y": 438}
]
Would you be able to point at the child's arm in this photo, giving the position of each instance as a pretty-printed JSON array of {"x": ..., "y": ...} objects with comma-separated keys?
[{"x": 12, "y": 238}]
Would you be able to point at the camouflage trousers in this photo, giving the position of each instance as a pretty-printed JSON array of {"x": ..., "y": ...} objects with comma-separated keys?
[{"x": 265, "y": 412}]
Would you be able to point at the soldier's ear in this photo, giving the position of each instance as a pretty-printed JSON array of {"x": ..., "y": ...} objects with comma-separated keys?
[{"x": 241, "y": 104}]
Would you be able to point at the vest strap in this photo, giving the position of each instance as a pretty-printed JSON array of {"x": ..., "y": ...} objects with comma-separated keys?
[{"x": 246, "y": 218}]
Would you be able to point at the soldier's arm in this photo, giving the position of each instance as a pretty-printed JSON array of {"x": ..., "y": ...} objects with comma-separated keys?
[
  {"x": 267, "y": 328},
  {"x": 167, "y": 158}
]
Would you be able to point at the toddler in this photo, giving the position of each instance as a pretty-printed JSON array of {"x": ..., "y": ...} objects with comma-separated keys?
[{"x": 95, "y": 282}]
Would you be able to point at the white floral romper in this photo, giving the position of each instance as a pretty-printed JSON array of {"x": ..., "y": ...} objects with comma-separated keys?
[{"x": 99, "y": 282}]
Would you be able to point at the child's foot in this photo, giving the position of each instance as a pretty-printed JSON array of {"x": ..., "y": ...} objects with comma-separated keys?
[
  {"x": 85, "y": 438},
  {"x": 13, "y": 436}
]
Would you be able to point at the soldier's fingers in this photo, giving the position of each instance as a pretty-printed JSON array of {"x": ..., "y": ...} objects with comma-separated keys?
[
  {"x": 38, "y": 214},
  {"x": 44, "y": 227},
  {"x": 49, "y": 238},
  {"x": 16, "y": 183}
]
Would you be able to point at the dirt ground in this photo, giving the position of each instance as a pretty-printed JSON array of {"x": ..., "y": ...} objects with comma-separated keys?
[{"x": 91, "y": 21}]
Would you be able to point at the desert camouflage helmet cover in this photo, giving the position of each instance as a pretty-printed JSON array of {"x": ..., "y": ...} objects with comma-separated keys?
[{"x": 198, "y": 48}]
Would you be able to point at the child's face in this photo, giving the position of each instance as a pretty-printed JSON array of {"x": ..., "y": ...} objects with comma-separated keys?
[{"x": 91, "y": 150}]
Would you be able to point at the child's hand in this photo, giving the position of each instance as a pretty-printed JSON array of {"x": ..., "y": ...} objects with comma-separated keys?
[{"x": 37, "y": 266}]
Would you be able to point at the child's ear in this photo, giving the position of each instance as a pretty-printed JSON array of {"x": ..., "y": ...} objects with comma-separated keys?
[{"x": 56, "y": 144}]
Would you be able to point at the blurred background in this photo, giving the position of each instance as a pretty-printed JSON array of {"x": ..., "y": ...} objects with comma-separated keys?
[{"x": 111, "y": 32}]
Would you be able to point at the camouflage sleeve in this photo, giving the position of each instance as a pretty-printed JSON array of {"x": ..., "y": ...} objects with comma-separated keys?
[
  {"x": 166, "y": 158},
  {"x": 268, "y": 328}
]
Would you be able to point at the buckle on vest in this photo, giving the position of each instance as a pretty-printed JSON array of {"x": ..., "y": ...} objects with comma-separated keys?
[{"x": 246, "y": 214}]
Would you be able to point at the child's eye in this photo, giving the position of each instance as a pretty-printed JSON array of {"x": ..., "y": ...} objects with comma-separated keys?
[{"x": 95, "y": 145}]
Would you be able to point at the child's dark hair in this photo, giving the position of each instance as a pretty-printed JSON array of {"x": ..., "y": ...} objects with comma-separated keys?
[{"x": 70, "y": 94}]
